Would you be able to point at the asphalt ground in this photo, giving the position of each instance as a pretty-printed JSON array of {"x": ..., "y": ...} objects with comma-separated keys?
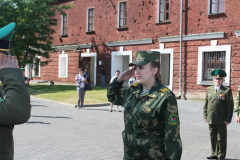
[{"x": 58, "y": 131}]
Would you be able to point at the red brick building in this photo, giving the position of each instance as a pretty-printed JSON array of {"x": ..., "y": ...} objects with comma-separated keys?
[{"x": 110, "y": 32}]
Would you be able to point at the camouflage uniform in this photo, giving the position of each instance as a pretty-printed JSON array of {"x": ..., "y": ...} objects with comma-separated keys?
[
  {"x": 152, "y": 127},
  {"x": 236, "y": 107}
]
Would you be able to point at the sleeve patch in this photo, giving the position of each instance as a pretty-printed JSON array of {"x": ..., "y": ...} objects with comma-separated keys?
[
  {"x": 173, "y": 119},
  {"x": 164, "y": 90},
  {"x": 231, "y": 97},
  {"x": 135, "y": 84}
]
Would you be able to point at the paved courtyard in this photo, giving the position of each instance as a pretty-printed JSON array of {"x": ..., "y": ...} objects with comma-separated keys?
[{"x": 61, "y": 132}]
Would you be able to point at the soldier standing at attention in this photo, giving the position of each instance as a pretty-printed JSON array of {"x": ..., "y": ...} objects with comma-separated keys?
[
  {"x": 236, "y": 107},
  {"x": 16, "y": 107},
  {"x": 217, "y": 112},
  {"x": 152, "y": 127}
]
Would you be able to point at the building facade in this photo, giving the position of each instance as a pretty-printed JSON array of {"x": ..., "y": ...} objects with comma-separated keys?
[{"x": 108, "y": 33}]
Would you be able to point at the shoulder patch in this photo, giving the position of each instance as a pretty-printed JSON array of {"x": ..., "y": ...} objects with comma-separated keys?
[
  {"x": 173, "y": 119},
  {"x": 164, "y": 90},
  {"x": 135, "y": 84}
]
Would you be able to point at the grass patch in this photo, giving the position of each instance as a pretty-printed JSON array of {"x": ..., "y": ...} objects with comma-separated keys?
[{"x": 67, "y": 93}]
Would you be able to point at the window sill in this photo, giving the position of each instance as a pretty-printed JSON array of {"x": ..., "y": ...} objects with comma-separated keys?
[
  {"x": 90, "y": 32},
  {"x": 122, "y": 29},
  {"x": 64, "y": 35},
  {"x": 217, "y": 15},
  {"x": 210, "y": 83},
  {"x": 163, "y": 22},
  {"x": 36, "y": 76}
]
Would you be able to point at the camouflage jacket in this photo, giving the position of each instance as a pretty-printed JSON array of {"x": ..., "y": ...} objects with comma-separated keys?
[
  {"x": 152, "y": 127},
  {"x": 236, "y": 106}
]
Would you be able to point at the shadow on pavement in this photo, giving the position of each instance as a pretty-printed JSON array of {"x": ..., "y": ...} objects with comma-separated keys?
[
  {"x": 101, "y": 110},
  {"x": 52, "y": 117},
  {"x": 35, "y": 122},
  {"x": 38, "y": 106}
]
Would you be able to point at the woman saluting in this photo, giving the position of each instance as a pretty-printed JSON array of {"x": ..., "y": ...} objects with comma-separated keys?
[{"x": 152, "y": 127}]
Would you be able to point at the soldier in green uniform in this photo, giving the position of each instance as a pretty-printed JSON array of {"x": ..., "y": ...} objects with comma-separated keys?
[
  {"x": 236, "y": 107},
  {"x": 16, "y": 107},
  {"x": 152, "y": 127},
  {"x": 217, "y": 112}
]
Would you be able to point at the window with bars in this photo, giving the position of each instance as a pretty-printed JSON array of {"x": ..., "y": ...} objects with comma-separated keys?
[
  {"x": 123, "y": 15},
  {"x": 64, "y": 25},
  {"x": 217, "y": 6},
  {"x": 90, "y": 19},
  {"x": 163, "y": 10},
  {"x": 212, "y": 61}
]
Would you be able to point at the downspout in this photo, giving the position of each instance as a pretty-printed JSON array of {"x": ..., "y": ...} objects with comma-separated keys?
[{"x": 180, "y": 67}]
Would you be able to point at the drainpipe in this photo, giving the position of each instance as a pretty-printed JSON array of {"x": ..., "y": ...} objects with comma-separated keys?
[{"x": 180, "y": 67}]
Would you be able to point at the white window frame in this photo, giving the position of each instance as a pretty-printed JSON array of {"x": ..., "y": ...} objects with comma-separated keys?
[
  {"x": 59, "y": 65},
  {"x": 62, "y": 24},
  {"x": 209, "y": 7},
  {"x": 158, "y": 14},
  {"x": 39, "y": 68},
  {"x": 87, "y": 30},
  {"x": 213, "y": 48},
  {"x": 118, "y": 22}
]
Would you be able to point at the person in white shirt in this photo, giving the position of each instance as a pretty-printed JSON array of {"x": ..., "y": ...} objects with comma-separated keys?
[
  {"x": 117, "y": 73},
  {"x": 80, "y": 80},
  {"x": 132, "y": 80}
]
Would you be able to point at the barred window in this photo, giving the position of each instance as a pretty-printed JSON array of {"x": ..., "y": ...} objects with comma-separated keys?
[
  {"x": 217, "y": 6},
  {"x": 64, "y": 25},
  {"x": 91, "y": 19},
  {"x": 163, "y": 10},
  {"x": 123, "y": 15},
  {"x": 212, "y": 61}
]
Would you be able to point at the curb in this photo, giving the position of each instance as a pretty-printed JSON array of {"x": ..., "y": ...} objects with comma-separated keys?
[{"x": 67, "y": 104}]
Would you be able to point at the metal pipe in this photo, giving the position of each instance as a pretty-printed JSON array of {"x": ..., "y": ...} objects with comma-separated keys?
[{"x": 180, "y": 67}]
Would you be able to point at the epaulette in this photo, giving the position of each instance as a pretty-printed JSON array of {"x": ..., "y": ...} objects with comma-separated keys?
[
  {"x": 135, "y": 84},
  {"x": 166, "y": 91},
  {"x": 210, "y": 87}
]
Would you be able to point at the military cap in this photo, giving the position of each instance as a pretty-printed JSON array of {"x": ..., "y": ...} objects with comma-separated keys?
[
  {"x": 22, "y": 69},
  {"x": 6, "y": 34},
  {"x": 218, "y": 74},
  {"x": 145, "y": 57}
]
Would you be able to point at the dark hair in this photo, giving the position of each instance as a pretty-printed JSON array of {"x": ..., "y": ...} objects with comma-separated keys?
[
  {"x": 117, "y": 71},
  {"x": 156, "y": 64},
  {"x": 80, "y": 69}
]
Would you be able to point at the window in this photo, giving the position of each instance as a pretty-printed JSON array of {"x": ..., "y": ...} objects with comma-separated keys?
[
  {"x": 37, "y": 66},
  {"x": 210, "y": 58},
  {"x": 64, "y": 25},
  {"x": 217, "y": 6},
  {"x": 63, "y": 65},
  {"x": 122, "y": 15},
  {"x": 212, "y": 61},
  {"x": 90, "y": 20},
  {"x": 163, "y": 10}
]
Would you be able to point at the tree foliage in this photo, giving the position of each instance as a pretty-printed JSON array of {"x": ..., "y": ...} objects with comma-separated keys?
[{"x": 33, "y": 32}]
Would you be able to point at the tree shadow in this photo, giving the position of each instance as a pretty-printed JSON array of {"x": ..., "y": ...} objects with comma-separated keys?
[
  {"x": 37, "y": 122},
  {"x": 51, "y": 117}
]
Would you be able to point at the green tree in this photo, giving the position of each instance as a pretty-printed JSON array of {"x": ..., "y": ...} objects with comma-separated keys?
[{"x": 33, "y": 33}]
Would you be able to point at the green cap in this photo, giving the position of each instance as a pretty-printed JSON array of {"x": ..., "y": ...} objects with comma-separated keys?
[
  {"x": 22, "y": 69},
  {"x": 6, "y": 34},
  {"x": 145, "y": 57},
  {"x": 218, "y": 74}
]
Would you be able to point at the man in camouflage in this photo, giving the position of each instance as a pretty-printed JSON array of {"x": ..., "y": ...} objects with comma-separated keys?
[
  {"x": 152, "y": 127},
  {"x": 217, "y": 112},
  {"x": 236, "y": 107}
]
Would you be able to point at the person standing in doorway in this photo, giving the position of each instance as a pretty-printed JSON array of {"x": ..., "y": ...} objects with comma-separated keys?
[
  {"x": 87, "y": 75},
  {"x": 117, "y": 73},
  {"x": 217, "y": 112},
  {"x": 80, "y": 80},
  {"x": 103, "y": 74}
]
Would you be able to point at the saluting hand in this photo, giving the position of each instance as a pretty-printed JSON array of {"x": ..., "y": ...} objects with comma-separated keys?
[
  {"x": 126, "y": 75},
  {"x": 9, "y": 62},
  {"x": 205, "y": 120}
]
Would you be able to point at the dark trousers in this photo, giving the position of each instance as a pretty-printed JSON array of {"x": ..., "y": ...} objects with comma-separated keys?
[
  {"x": 218, "y": 136},
  {"x": 81, "y": 94}
]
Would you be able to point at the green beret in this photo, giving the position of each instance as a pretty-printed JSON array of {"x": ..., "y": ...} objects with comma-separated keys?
[
  {"x": 22, "y": 69},
  {"x": 144, "y": 57},
  {"x": 218, "y": 74},
  {"x": 6, "y": 34}
]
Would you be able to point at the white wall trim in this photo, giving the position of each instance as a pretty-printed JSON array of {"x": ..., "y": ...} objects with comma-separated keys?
[
  {"x": 88, "y": 54},
  {"x": 59, "y": 65},
  {"x": 213, "y": 48},
  {"x": 71, "y": 47},
  {"x": 158, "y": 10},
  {"x": 170, "y": 51},
  {"x": 119, "y": 53},
  {"x": 130, "y": 42},
  {"x": 192, "y": 37},
  {"x": 118, "y": 24},
  {"x": 209, "y": 7},
  {"x": 87, "y": 20},
  {"x": 61, "y": 24}
]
